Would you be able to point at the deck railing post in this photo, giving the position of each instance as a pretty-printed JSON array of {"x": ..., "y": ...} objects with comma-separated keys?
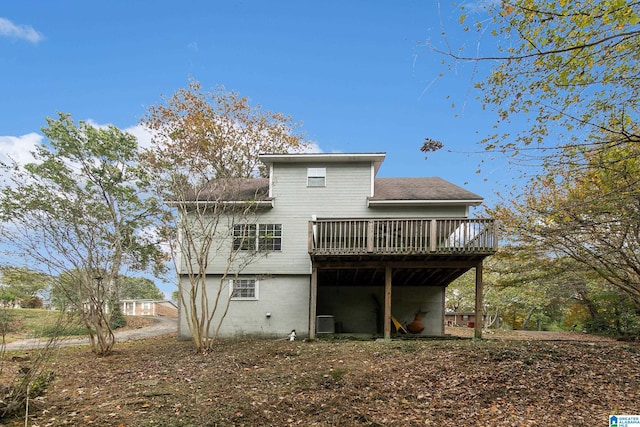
[
  {"x": 433, "y": 235},
  {"x": 370, "y": 231}
]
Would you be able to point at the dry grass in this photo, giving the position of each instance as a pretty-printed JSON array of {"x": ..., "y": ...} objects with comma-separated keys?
[{"x": 162, "y": 382}]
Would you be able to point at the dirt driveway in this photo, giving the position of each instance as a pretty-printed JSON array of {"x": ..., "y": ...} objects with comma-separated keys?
[{"x": 160, "y": 326}]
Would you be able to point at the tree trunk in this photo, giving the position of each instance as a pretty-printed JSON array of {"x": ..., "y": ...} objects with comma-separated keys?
[
  {"x": 526, "y": 319},
  {"x": 493, "y": 322}
]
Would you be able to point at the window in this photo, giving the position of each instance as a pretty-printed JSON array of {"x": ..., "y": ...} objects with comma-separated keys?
[
  {"x": 244, "y": 237},
  {"x": 316, "y": 177},
  {"x": 261, "y": 237},
  {"x": 246, "y": 289},
  {"x": 270, "y": 237}
]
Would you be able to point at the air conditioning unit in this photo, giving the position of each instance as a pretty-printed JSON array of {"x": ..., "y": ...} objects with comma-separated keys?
[{"x": 325, "y": 325}]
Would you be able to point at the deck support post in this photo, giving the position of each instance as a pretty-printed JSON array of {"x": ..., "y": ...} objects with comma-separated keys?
[
  {"x": 313, "y": 302},
  {"x": 478, "y": 320},
  {"x": 387, "y": 302}
]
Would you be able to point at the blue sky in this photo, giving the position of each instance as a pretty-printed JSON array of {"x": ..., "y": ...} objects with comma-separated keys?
[{"x": 356, "y": 74}]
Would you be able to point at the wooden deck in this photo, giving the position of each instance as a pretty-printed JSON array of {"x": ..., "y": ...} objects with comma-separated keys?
[
  {"x": 398, "y": 252},
  {"x": 402, "y": 236}
]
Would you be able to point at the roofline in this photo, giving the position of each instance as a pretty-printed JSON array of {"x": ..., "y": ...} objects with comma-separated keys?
[
  {"x": 259, "y": 203},
  {"x": 331, "y": 157},
  {"x": 375, "y": 158},
  {"x": 442, "y": 202}
]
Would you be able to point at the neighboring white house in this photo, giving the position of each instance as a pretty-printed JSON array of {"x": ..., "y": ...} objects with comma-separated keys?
[
  {"x": 148, "y": 307},
  {"x": 346, "y": 251}
]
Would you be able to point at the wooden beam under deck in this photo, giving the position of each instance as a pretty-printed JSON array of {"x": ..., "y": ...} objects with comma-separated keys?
[
  {"x": 313, "y": 302},
  {"x": 387, "y": 303},
  {"x": 479, "y": 285},
  {"x": 380, "y": 265}
]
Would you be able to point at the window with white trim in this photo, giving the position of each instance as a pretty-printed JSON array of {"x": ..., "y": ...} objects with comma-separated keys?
[
  {"x": 257, "y": 237},
  {"x": 316, "y": 177},
  {"x": 243, "y": 289},
  {"x": 270, "y": 237},
  {"x": 244, "y": 237}
]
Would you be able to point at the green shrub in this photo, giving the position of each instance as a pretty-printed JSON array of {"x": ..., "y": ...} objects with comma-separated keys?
[
  {"x": 117, "y": 319},
  {"x": 9, "y": 323}
]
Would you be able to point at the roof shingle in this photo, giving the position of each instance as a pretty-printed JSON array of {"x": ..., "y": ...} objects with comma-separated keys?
[{"x": 419, "y": 189}]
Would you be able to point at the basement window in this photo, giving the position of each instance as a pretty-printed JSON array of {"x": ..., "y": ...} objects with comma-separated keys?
[
  {"x": 244, "y": 289},
  {"x": 316, "y": 177}
]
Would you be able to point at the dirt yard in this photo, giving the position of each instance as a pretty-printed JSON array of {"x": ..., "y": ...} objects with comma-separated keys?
[
  {"x": 464, "y": 332},
  {"x": 495, "y": 382}
]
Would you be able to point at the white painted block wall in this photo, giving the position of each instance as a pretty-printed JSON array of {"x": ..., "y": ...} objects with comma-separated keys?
[{"x": 286, "y": 298}]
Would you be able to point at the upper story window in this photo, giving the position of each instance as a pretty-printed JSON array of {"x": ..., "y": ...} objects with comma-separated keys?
[
  {"x": 244, "y": 237},
  {"x": 270, "y": 237},
  {"x": 316, "y": 177},
  {"x": 260, "y": 237}
]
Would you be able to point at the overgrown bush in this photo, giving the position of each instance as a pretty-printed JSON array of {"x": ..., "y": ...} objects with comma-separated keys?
[
  {"x": 25, "y": 386},
  {"x": 117, "y": 319},
  {"x": 9, "y": 323},
  {"x": 33, "y": 376}
]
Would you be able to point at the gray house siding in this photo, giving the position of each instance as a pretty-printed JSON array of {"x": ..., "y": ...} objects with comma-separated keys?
[
  {"x": 347, "y": 187},
  {"x": 345, "y": 196},
  {"x": 282, "y": 305}
]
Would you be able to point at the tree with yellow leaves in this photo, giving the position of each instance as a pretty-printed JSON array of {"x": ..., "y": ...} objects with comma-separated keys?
[{"x": 204, "y": 152}]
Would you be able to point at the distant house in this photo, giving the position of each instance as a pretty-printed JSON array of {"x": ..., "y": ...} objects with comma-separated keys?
[
  {"x": 460, "y": 318},
  {"x": 344, "y": 250},
  {"x": 148, "y": 307}
]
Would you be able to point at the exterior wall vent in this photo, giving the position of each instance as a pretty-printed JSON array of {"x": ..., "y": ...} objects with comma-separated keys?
[{"x": 325, "y": 325}]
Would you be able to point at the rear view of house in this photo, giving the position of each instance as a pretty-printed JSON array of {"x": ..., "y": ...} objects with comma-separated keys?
[{"x": 344, "y": 251}]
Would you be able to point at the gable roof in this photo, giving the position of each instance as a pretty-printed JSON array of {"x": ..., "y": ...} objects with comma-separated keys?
[
  {"x": 230, "y": 190},
  {"x": 420, "y": 190},
  {"x": 387, "y": 191},
  {"x": 375, "y": 159}
]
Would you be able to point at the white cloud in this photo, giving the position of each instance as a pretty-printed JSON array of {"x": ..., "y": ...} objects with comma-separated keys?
[
  {"x": 312, "y": 147},
  {"x": 19, "y": 148},
  {"x": 24, "y": 32},
  {"x": 142, "y": 134}
]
